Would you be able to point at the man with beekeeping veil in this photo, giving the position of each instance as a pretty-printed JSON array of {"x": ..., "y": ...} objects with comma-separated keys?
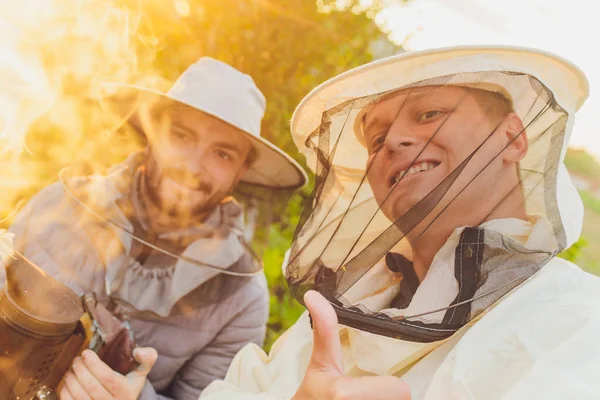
[{"x": 440, "y": 204}]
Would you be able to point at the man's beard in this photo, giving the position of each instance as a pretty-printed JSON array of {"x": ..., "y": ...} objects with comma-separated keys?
[{"x": 152, "y": 189}]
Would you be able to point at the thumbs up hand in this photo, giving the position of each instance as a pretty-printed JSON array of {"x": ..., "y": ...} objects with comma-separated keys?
[{"x": 324, "y": 379}]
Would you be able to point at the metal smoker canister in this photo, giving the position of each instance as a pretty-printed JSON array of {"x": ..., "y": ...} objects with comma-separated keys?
[{"x": 40, "y": 333}]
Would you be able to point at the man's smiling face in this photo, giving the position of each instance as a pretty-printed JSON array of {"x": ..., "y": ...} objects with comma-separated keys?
[
  {"x": 195, "y": 160},
  {"x": 417, "y": 137}
]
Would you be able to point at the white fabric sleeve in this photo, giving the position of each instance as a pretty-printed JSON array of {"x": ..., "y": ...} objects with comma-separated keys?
[{"x": 254, "y": 375}]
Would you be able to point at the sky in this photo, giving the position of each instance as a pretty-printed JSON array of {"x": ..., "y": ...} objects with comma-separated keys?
[{"x": 569, "y": 28}]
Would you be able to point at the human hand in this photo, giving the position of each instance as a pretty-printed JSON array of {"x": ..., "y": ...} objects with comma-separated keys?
[
  {"x": 91, "y": 379},
  {"x": 324, "y": 379}
]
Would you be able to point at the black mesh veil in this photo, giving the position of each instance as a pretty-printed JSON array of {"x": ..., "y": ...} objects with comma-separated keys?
[{"x": 469, "y": 157}]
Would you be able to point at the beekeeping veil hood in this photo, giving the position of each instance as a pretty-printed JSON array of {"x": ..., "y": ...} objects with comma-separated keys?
[{"x": 349, "y": 229}]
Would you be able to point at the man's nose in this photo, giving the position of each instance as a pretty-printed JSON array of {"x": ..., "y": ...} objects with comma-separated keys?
[
  {"x": 398, "y": 141},
  {"x": 195, "y": 160}
]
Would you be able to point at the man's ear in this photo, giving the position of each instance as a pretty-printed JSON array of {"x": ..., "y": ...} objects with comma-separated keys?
[{"x": 517, "y": 143}]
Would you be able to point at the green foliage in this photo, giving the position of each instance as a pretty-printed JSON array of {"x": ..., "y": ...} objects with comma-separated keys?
[
  {"x": 591, "y": 203},
  {"x": 285, "y": 310},
  {"x": 573, "y": 252},
  {"x": 582, "y": 163},
  {"x": 588, "y": 256},
  {"x": 586, "y": 252}
]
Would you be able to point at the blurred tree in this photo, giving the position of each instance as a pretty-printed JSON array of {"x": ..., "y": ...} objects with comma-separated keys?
[
  {"x": 583, "y": 164},
  {"x": 287, "y": 47}
]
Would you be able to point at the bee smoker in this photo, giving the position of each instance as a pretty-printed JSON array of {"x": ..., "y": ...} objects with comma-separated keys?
[{"x": 40, "y": 332}]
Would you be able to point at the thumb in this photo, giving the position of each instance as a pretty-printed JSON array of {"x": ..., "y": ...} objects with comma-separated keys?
[
  {"x": 146, "y": 356},
  {"x": 327, "y": 349}
]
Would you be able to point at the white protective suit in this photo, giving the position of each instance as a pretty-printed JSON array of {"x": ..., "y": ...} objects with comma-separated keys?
[{"x": 537, "y": 341}]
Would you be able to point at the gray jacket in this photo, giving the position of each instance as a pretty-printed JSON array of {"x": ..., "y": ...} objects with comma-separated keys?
[{"x": 199, "y": 330}]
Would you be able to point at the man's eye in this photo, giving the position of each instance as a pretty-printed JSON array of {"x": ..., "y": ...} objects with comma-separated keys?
[
  {"x": 180, "y": 134},
  {"x": 428, "y": 115},
  {"x": 223, "y": 155},
  {"x": 378, "y": 141}
]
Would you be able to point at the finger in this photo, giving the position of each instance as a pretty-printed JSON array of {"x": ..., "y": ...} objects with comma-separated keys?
[
  {"x": 65, "y": 394},
  {"x": 74, "y": 388},
  {"x": 89, "y": 382},
  {"x": 146, "y": 356},
  {"x": 327, "y": 349},
  {"x": 112, "y": 381},
  {"x": 373, "y": 388}
]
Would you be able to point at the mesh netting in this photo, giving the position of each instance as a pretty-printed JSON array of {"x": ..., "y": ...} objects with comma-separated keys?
[{"x": 400, "y": 173}]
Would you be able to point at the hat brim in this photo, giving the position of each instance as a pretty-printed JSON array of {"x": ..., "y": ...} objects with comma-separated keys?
[
  {"x": 565, "y": 80},
  {"x": 272, "y": 168}
]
